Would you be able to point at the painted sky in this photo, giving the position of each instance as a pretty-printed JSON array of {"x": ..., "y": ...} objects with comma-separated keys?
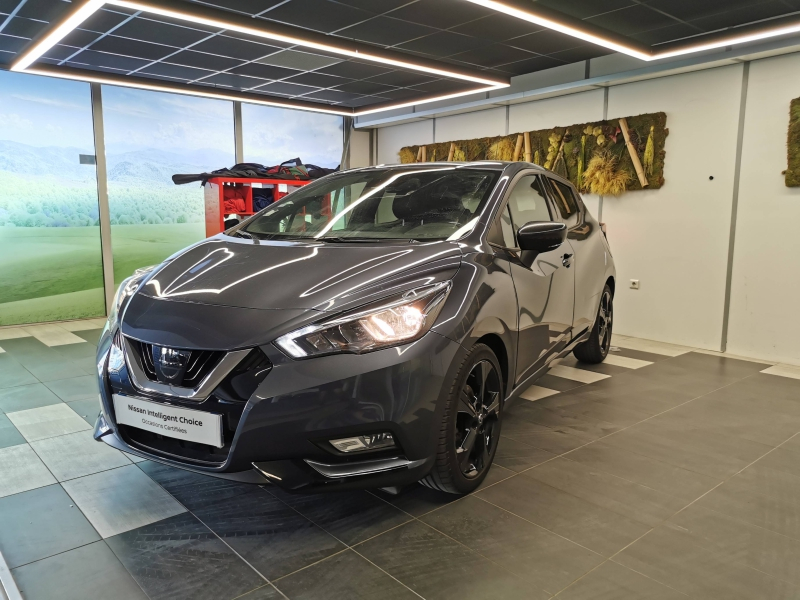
[
  {"x": 273, "y": 135},
  {"x": 47, "y": 112},
  {"x": 43, "y": 111}
]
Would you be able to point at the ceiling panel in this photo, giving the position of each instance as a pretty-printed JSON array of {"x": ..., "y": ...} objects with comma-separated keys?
[
  {"x": 201, "y": 60},
  {"x": 318, "y": 79},
  {"x": 320, "y": 15},
  {"x": 497, "y": 28},
  {"x": 233, "y": 47},
  {"x": 442, "y": 14},
  {"x": 288, "y": 89},
  {"x": 744, "y": 14},
  {"x": 632, "y": 19},
  {"x": 365, "y": 88},
  {"x": 103, "y": 20},
  {"x": 301, "y": 61},
  {"x": 583, "y": 9},
  {"x": 386, "y": 31},
  {"x": 263, "y": 71},
  {"x": 355, "y": 70},
  {"x": 444, "y": 43},
  {"x": 26, "y": 28},
  {"x": 450, "y": 32},
  {"x": 112, "y": 61},
  {"x": 134, "y": 48},
  {"x": 493, "y": 55},
  {"x": 545, "y": 42}
]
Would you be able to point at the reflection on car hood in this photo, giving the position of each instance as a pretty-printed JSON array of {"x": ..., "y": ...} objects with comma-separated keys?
[{"x": 296, "y": 274}]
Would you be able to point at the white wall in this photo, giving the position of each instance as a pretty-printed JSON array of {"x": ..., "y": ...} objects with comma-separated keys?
[
  {"x": 675, "y": 240},
  {"x": 484, "y": 123},
  {"x": 359, "y": 149},
  {"x": 391, "y": 139},
  {"x": 765, "y": 288}
]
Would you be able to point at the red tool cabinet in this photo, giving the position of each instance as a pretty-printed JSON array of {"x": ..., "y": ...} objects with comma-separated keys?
[{"x": 214, "y": 195}]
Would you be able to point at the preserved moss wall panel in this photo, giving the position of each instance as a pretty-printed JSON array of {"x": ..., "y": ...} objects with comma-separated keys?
[{"x": 569, "y": 151}]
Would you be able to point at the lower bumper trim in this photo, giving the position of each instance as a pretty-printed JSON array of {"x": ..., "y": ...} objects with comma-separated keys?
[{"x": 368, "y": 467}]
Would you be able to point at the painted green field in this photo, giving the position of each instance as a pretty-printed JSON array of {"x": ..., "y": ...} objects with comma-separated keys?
[
  {"x": 142, "y": 245},
  {"x": 43, "y": 269}
]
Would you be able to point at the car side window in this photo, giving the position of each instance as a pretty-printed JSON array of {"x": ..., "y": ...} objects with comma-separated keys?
[
  {"x": 565, "y": 202},
  {"x": 528, "y": 202}
]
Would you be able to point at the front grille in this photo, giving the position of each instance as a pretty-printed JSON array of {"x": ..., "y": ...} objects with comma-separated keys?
[
  {"x": 228, "y": 399},
  {"x": 200, "y": 364}
]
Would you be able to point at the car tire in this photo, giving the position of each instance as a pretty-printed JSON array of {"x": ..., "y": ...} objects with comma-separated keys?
[
  {"x": 470, "y": 428},
  {"x": 595, "y": 349}
]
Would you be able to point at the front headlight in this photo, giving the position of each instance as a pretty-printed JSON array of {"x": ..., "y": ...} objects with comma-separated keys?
[
  {"x": 390, "y": 323},
  {"x": 127, "y": 289}
]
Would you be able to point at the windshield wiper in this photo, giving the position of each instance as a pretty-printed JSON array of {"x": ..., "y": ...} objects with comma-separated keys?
[
  {"x": 347, "y": 239},
  {"x": 247, "y": 235}
]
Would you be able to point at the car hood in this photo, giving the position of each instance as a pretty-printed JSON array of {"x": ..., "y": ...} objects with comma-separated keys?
[{"x": 323, "y": 276}]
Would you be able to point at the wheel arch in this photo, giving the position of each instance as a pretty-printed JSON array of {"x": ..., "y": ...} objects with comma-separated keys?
[
  {"x": 498, "y": 346},
  {"x": 611, "y": 284}
]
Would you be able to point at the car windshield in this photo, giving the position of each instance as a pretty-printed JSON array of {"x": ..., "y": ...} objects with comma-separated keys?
[{"x": 433, "y": 203}]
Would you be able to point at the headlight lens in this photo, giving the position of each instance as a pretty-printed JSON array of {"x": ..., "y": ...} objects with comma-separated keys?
[
  {"x": 127, "y": 289},
  {"x": 390, "y": 323}
]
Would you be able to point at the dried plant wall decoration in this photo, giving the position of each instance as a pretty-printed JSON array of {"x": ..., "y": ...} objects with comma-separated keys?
[
  {"x": 792, "y": 174},
  {"x": 607, "y": 157}
]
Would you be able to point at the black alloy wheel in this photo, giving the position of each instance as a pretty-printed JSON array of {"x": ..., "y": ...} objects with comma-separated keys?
[
  {"x": 470, "y": 428},
  {"x": 605, "y": 321},
  {"x": 477, "y": 419},
  {"x": 595, "y": 349}
]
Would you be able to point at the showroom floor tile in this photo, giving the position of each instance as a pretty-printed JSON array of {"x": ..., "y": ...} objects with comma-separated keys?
[
  {"x": 666, "y": 480},
  {"x": 47, "y": 421},
  {"x": 24, "y": 397},
  {"x": 76, "y": 455},
  {"x": 41, "y": 523},
  {"x": 91, "y": 571},
  {"x": 121, "y": 499},
  {"x": 22, "y": 470}
]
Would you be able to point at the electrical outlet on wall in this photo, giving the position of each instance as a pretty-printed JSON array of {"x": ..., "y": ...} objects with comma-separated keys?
[{"x": 634, "y": 284}]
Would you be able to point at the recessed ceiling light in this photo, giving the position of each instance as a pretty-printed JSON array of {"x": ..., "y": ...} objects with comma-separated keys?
[{"x": 210, "y": 17}]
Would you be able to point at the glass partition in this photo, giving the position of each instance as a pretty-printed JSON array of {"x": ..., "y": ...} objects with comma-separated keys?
[
  {"x": 273, "y": 135},
  {"x": 149, "y": 137},
  {"x": 50, "y": 259}
]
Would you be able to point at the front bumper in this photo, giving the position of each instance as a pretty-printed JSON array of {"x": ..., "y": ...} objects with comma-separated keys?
[{"x": 281, "y": 435}]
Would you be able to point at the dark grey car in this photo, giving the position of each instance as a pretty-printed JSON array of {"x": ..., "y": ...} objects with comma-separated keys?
[{"x": 368, "y": 330}]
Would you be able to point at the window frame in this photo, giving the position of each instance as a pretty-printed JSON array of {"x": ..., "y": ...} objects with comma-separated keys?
[
  {"x": 496, "y": 227},
  {"x": 575, "y": 196}
]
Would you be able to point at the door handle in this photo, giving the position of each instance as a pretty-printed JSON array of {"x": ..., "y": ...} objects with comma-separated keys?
[{"x": 565, "y": 260}]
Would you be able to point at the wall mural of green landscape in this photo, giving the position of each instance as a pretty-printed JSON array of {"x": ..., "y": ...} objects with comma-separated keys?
[{"x": 50, "y": 256}]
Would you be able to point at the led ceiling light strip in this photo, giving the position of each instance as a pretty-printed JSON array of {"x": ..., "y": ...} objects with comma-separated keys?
[
  {"x": 729, "y": 40},
  {"x": 564, "y": 24},
  {"x": 201, "y": 15},
  {"x": 141, "y": 84},
  {"x": 563, "y": 27},
  {"x": 290, "y": 39}
]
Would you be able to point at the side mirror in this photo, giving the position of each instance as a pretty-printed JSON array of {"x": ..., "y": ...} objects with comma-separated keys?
[{"x": 541, "y": 236}]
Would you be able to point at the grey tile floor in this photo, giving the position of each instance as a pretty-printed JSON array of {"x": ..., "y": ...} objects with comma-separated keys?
[{"x": 662, "y": 473}]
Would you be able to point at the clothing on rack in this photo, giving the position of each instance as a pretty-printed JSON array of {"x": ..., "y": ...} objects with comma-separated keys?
[
  {"x": 234, "y": 199},
  {"x": 262, "y": 198},
  {"x": 293, "y": 169}
]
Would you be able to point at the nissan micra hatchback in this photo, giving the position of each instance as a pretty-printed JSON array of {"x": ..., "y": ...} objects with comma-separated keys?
[{"x": 368, "y": 330}]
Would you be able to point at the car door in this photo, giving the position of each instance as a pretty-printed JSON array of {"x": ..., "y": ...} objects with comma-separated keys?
[
  {"x": 590, "y": 259},
  {"x": 544, "y": 285}
]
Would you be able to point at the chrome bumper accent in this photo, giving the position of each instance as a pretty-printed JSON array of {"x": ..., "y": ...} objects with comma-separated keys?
[
  {"x": 199, "y": 393},
  {"x": 366, "y": 467}
]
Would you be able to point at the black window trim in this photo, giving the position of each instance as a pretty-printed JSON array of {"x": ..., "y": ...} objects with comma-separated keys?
[
  {"x": 575, "y": 195},
  {"x": 503, "y": 204}
]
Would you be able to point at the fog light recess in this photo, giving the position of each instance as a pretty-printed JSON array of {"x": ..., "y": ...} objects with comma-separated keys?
[{"x": 361, "y": 443}]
